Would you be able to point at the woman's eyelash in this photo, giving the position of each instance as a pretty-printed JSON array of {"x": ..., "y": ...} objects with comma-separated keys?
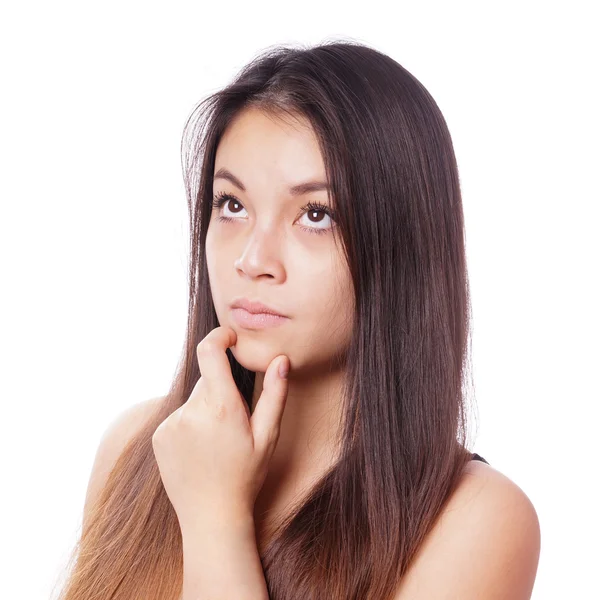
[{"x": 222, "y": 197}]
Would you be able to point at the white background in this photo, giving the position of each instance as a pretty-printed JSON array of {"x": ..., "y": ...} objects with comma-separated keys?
[{"x": 93, "y": 236}]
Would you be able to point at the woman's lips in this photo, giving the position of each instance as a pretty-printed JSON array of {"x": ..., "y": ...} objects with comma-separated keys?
[{"x": 250, "y": 320}]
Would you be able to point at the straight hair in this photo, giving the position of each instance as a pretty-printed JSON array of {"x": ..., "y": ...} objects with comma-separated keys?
[{"x": 395, "y": 188}]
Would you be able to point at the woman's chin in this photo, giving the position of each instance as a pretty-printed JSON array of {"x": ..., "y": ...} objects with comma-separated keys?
[{"x": 254, "y": 355}]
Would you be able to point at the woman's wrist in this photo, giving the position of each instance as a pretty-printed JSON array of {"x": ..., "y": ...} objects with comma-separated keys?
[{"x": 221, "y": 560}]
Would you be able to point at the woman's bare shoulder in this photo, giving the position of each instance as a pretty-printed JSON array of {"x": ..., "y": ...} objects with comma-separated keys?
[
  {"x": 112, "y": 443},
  {"x": 486, "y": 543}
]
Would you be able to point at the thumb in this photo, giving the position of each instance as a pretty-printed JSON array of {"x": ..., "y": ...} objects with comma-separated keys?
[{"x": 268, "y": 412}]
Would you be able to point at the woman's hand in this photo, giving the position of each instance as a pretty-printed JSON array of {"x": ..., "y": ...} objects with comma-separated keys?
[{"x": 212, "y": 455}]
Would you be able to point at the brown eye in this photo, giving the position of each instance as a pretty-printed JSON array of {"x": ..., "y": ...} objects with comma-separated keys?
[
  {"x": 312, "y": 210},
  {"x": 223, "y": 198},
  {"x": 231, "y": 203},
  {"x": 312, "y": 213},
  {"x": 316, "y": 215}
]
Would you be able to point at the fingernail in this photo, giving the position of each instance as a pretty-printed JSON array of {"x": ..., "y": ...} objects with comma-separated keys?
[{"x": 284, "y": 368}]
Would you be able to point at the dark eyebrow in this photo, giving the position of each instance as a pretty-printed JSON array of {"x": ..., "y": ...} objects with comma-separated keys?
[{"x": 295, "y": 190}]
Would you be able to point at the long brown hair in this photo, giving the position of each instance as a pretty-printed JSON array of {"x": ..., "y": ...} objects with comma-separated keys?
[{"x": 391, "y": 165}]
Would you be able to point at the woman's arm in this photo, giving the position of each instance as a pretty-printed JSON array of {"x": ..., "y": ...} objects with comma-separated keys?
[{"x": 221, "y": 561}]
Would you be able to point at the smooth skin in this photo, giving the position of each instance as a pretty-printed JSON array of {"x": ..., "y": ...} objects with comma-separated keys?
[
  {"x": 270, "y": 248},
  {"x": 486, "y": 543},
  {"x": 213, "y": 456}
]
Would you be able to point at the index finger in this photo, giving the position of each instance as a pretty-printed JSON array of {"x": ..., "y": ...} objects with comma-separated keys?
[{"x": 215, "y": 369}]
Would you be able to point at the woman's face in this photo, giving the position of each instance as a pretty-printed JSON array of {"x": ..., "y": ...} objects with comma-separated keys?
[{"x": 273, "y": 250}]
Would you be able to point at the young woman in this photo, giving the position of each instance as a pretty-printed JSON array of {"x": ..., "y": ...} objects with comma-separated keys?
[{"x": 326, "y": 239}]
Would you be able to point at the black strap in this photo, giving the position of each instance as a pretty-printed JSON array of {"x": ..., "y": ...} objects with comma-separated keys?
[{"x": 477, "y": 457}]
